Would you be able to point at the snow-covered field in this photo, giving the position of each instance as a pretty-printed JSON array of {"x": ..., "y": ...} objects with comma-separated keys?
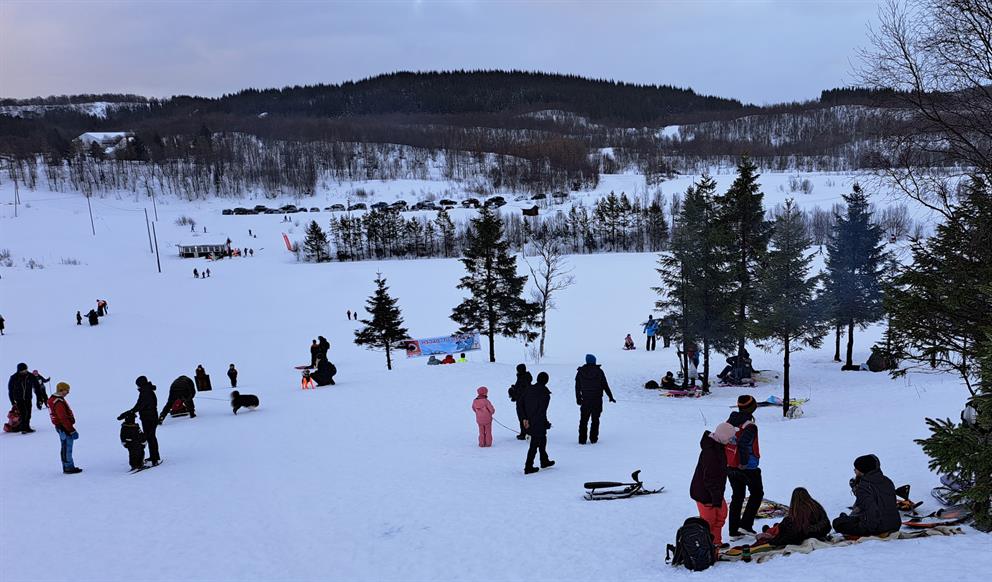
[{"x": 379, "y": 477}]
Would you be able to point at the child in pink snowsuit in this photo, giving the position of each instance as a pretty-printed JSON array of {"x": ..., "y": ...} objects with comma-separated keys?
[{"x": 484, "y": 416}]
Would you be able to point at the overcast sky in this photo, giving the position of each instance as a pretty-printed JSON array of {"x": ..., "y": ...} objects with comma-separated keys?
[{"x": 760, "y": 51}]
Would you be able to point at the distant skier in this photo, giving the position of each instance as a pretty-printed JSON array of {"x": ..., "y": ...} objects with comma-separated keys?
[
  {"x": 484, "y": 411},
  {"x": 650, "y": 329},
  {"x": 79, "y": 318},
  {"x": 536, "y": 402},
  {"x": 232, "y": 374},
  {"x": 590, "y": 384},
  {"x": 182, "y": 389},
  {"x": 516, "y": 393},
  {"x": 147, "y": 409},
  {"x": 65, "y": 426},
  {"x": 133, "y": 440}
]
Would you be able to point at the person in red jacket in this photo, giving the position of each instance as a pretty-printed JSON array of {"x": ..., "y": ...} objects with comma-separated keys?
[
  {"x": 710, "y": 480},
  {"x": 65, "y": 426}
]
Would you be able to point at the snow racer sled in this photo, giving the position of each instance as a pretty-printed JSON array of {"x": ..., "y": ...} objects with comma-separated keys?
[
  {"x": 13, "y": 423},
  {"x": 603, "y": 490},
  {"x": 178, "y": 409}
]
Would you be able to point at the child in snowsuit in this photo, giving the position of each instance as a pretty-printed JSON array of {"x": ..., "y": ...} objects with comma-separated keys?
[
  {"x": 133, "y": 440},
  {"x": 628, "y": 343},
  {"x": 232, "y": 373},
  {"x": 484, "y": 411},
  {"x": 709, "y": 481}
]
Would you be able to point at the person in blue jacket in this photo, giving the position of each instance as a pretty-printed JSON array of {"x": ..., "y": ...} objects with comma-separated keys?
[{"x": 650, "y": 329}]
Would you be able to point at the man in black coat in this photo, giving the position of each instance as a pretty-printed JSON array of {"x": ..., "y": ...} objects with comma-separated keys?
[
  {"x": 20, "y": 389},
  {"x": 147, "y": 409},
  {"x": 537, "y": 398},
  {"x": 184, "y": 389},
  {"x": 516, "y": 393},
  {"x": 323, "y": 346},
  {"x": 590, "y": 383},
  {"x": 324, "y": 374},
  {"x": 875, "y": 509}
]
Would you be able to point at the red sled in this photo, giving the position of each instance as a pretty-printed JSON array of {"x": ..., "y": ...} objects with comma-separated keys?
[
  {"x": 13, "y": 423},
  {"x": 178, "y": 409}
]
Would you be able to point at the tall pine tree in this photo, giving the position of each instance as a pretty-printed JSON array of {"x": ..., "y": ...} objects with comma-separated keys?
[
  {"x": 785, "y": 308},
  {"x": 855, "y": 265},
  {"x": 696, "y": 290},
  {"x": 315, "y": 245},
  {"x": 386, "y": 326},
  {"x": 496, "y": 305},
  {"x": 743, "y": 216}
]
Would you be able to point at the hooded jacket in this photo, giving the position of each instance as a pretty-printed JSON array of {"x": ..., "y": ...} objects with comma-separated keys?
[
  {"x": 709, "y": 481},
  {"x": 590, "y": 384},
  {"x": 746, "y": 449},
  {"x": 147, "y": 405},
  {"x": 537, "y": 398},
  {"x": 483, "y": 409},
  {"x": 21, "y": 387},
  {"x": 61, "y": 414},
  {"x": 519, "y": 388},
  {"x": 875, "y": 503}
]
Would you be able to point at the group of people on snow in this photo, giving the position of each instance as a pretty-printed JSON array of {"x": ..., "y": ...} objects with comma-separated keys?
[
  {"x": 448, "y": 359},
  {"x": 93, "y": 315},
  {"x": 731, "y": 453}
]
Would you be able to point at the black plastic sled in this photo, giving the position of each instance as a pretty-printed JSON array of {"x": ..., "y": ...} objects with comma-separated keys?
[{"x": 604, "y": 490}]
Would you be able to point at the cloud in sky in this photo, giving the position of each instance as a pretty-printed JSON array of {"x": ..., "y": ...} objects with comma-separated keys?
[{"x": 760, "y": 51}]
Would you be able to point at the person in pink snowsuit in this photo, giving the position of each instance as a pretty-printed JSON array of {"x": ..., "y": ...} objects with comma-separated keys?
[{"x": 484, "y": 416}]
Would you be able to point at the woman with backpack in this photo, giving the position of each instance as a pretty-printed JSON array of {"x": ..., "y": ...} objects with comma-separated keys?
[
  {"x": 743, "y": 456},
  {"x": 709, "y": 481},
  {"x": 806, "y": 519}
]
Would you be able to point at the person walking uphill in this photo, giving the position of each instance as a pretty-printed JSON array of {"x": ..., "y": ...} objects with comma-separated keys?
[
  {"x": 65, "y": 426},
  {"x": 650, "y": 329},
  {"x": 590, "y": 384},
  {"x": 484, "y": 411},
  {"x": 537, "y": 398},
  {"x": 20, "y": 388},
  {"x": 743, "y": 455},
  {"x": 516, "y": 393},
  {"x": 709, "y": 481},
  {"x": 875, "y": 510},
  {"x": 147, "y": 409}
]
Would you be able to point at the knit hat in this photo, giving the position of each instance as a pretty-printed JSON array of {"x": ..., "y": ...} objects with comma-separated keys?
[
  {"x": 140, "y": 381},
  {"x": 22, "y": 367},
  {"x": 590, "y": 359},
  {"x": 543, "y": 378},
  {"x": 723, "y": 433},
  {"x": 521, "y": 368},
  {"x": 866, "y": 463},
  {"x": 747, "y": 404},
  {"x": 483, "y": 391},
  {"x": 61, "y": 388}
]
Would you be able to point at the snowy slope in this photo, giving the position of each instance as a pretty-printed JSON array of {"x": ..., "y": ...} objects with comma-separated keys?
[{"x": 379, "y": 478}]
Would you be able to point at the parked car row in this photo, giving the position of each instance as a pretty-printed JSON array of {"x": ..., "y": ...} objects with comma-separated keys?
[{"x": 400, "y": 205}]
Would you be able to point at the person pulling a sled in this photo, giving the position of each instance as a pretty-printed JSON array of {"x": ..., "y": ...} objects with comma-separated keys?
[
  {"x": 875, "y": 507},
  {"x": 590, "y": 384},
  {"x": 536, "y": 402},
  {"x": 20, "y": 389}
]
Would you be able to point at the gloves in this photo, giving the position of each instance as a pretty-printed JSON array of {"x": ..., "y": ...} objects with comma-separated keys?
[
  {"x": 74, "y": 435},
  {"x": 613, "y": 400}
]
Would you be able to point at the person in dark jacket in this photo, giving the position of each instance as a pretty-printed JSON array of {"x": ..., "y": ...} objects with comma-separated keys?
[
  {"x": 182, "y": 388},
  {"x": 806, "y": 519},
  {"x": 590, "y": 384},
  {"x": 875, "y": 510},
  {"x": 65, "y": 425},
  {"x": 40, "y": 394},
  {"x": 742, "y": 467},
  {"x": 323, "y": 346},
  {"x": 537, "y": 398},
  {"x": 516, "y": 393},
  {"x": 324, "y": 374},
  {"x": 93, "y": 318},
  {"x": 20, "y": 389},
  {"x": 202, "y": 379},
  {"x": 79, "y": 318},
  {"x": 232, "y": 373},
  {"x": 147, "y": 410},
  {"x": 709, "y": 481},
  {"x": 133, "y": 440},
  {"x": 668, "y": 382},
  {"x": 314, "y": 353}
]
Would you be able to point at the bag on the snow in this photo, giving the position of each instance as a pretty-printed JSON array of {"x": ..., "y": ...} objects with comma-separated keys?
[
  {"x": 13, "y": 421},
  {"x": 693, "y": 546}
]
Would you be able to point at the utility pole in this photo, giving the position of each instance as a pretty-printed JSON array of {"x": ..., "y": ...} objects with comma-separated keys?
[
  {"x": 157, "y": 260},
  {"x": 148, "y": 228},
  {"x": 13, "y": 176},
  {"x": 154, "y": 206},
  {"x": 90, "y": 206}
]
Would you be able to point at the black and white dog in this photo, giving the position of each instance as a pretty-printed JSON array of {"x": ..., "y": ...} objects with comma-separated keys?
[{"x": 239, "y": 400}]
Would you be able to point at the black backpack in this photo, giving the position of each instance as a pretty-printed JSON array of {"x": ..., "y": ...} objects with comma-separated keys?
[{"x": 693, "y": 546}]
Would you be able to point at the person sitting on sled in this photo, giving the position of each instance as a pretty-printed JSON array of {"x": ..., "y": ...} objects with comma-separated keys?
[
  {"x": 307, "y": 382},
  {"x": 668, "y": 382},
  {"x": 628, "y": 343}
]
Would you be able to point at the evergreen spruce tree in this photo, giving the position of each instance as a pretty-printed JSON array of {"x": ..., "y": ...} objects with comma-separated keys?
[
  {"x": 496, "y": 305},
  {"x": 855, "y": 265},
  {"x": 697, "y": 289},
  {"x": 386, "y": 326},
  {"x": 743, "y": 216},
  {"x": 446, "y": 230},
  {"x": 315, "y": 244},
  {"x": 785, "y": 308}
]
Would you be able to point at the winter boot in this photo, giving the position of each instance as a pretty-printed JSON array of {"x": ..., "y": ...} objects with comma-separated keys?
[
  {"x": 546, "y": 465},
  {"x": 72, "y": 470},
  {"x": 529, "y": 470},
  {"x": 521, "y": 437}
]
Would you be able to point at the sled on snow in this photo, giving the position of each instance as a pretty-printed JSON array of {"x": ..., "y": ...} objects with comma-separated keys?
[
  {"x": 942, "y": 517},
  {"x": 605, "y": 490},
  {"x": 770, "y": 509},
  {"x": 178, "y": 409}
]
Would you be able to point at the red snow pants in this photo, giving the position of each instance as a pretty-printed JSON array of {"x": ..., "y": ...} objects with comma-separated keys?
[
  {"x": 716, "y": 517},
  {"x": 486, "y": 434}
]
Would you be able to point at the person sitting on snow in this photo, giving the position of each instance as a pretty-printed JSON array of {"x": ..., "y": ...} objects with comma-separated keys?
[
  {"x": 433, "y": 361},
  {"x": 462, "y": 359},
  {"x": 449, "y": 359},
  {"x": 668, "y": 382},
  {"x": 628, "y": 343},
  {"x": 875, "y": 509}
]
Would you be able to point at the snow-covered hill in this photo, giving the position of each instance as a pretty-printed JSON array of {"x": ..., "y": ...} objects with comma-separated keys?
[{"x": 379, "y": 477}]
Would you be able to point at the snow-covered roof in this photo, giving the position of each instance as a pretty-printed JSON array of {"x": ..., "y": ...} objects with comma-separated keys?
[{"x": 103, "y": 137}]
